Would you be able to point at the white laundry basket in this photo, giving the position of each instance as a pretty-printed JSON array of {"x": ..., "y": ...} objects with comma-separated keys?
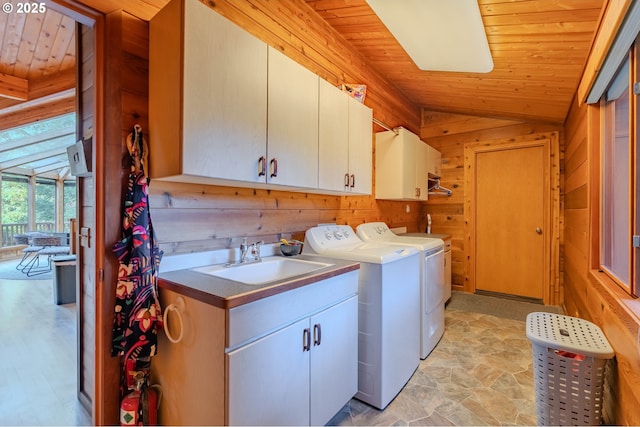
[{"x": 569, "y": 357}]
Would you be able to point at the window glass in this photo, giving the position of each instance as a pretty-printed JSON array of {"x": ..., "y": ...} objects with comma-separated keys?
[
  {"x": 45, "y": 205},
  {"x": 14, "y": 208},
  {"x": 616, "y": 212},
  {"x": 69, "y": 195}
]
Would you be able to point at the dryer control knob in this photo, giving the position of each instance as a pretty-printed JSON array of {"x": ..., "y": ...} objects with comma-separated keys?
[
  {"x": 339, "y": 235},
  {"x": 328, "y": 235}
]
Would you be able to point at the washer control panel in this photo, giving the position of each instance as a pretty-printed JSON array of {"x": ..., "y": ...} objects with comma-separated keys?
[
  {"x": 374, "y": 231},
  {"x": 331, "y": 236}
]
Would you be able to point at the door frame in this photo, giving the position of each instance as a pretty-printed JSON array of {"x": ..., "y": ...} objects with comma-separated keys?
[{"x": 549, "y": 140}]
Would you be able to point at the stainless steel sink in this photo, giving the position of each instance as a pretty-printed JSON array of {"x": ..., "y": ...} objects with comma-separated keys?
[{"x": 268, "y": 270}]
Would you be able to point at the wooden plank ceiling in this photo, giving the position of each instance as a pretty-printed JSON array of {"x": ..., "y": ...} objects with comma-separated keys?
[{"x": 539, "y": 49}]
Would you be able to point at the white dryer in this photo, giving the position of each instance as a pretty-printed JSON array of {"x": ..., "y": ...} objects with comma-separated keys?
[
  {"x": 432, "y": 280},
  {"x": 388, "y": 309}
]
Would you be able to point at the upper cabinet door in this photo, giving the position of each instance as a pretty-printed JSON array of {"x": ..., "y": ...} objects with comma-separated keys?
[
  {"x": 207, "y": 96},
  {"x": 333, "y": 135},
  {"x": 292, "y": 127},
  {"x": 225, "y": 97},
  {"x": 360, "y": 147}
]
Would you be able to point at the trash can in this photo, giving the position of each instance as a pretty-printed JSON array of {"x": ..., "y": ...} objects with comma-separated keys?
[
  {"x": 569, "y": 358},
  {"x": 64, "y": 279}
]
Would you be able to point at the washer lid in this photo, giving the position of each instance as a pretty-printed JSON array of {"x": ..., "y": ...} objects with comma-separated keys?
[
  {"x": 340, "y": 241},
  {"x": 379, "y": 232},
  {"x": 381, "y": 254}
]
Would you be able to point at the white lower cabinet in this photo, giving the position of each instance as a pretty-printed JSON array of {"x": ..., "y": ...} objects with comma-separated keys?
[
  {"x": 301, "y": 374},
  {"x": 334, "y": 360},
  {"x": 287, "y": 359}
]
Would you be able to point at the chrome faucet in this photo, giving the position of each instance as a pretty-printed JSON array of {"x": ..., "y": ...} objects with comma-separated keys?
[
  {"x": 243, "y": 250},
  {"x": 246, "y": 249}
]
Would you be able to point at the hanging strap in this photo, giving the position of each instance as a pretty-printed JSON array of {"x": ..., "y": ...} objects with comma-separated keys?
[{"x": 138, "y": 149}]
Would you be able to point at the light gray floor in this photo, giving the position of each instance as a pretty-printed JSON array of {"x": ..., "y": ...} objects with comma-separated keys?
[
  {"x": 38, "y": 357},
  {"x": 480, "y": 373}
]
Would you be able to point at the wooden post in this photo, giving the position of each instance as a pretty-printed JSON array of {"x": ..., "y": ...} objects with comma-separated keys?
[
  {"x": 31, "y": 204},
  {"x": 59, "y": 205}
]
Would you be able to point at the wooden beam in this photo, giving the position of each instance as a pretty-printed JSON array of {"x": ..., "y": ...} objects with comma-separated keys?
[
  {"x": 14, "y": 87},
  {"x": 43, "y": 108}
]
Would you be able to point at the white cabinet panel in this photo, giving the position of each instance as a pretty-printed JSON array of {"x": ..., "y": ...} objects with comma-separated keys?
[
  {"x": 360, "y": 147},
  {"x": 422, "y": 170},
  {"x": 334, "y": 380},
  {"x": 434, "y": 162},
  {"x": 208, "y": 95},
  {"x": 400, "y": 161},
  {"x": 345, "y": 136},
  {"x": 333, "y": 133},
  {"x": 292, "y": 123},
  {"x": 269, "y": 375},
  {"x": 226, "y": 109}
]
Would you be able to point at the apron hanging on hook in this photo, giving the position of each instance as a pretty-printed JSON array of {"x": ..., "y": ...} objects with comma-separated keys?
[{"x": 138, "y": 149}]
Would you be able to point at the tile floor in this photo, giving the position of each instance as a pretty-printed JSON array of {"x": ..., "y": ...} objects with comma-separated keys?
[{"x": 479, "y": 374}]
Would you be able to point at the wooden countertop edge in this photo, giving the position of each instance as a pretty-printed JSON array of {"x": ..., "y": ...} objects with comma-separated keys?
[{"x": 247, "y": 297}]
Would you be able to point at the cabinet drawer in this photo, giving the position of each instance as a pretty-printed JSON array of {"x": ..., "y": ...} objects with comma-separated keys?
[{"x": 256, "y": 319}]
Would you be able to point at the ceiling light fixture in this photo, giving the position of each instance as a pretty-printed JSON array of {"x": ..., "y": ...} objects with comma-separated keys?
[{"x": 438, "y": 35}]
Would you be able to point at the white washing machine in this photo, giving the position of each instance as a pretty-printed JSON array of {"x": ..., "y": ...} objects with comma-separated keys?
[
  {"x": 432, "y": 279},
  {"x": 388, "y": 308}
]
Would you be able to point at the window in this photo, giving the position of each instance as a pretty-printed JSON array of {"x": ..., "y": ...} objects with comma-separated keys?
[
  {"x": 618, "y": 199},
  {"x": 69, "y": 197},
  {"x": 45, "y": 205}
]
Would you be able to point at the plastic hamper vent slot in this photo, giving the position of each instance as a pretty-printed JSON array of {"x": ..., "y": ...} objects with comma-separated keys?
[{"x": 569, "y": 358}]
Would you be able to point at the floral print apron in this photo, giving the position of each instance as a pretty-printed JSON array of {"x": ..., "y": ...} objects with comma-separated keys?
[{"x": 137, "y": 316}]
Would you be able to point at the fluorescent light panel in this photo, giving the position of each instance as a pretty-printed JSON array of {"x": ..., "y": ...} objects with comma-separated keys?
[{"x": 439, "y": 35}]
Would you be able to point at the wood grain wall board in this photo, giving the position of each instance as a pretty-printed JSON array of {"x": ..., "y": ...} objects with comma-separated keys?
[
  {"x": 586, "y": 294},
  {"x": 435, "y": 123},
  {"x": 610, "y": 22}
]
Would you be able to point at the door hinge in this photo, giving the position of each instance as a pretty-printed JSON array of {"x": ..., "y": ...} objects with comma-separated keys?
[
  {"x": 636, "y": 241},
  {"x": 101, "y": 275},
  {"x": 636, "y": 88}
]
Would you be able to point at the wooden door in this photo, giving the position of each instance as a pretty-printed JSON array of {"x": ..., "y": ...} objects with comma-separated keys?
[{"x": 511, "y": 204}]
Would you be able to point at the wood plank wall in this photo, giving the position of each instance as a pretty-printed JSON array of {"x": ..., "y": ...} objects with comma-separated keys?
[
  {"x": 125, "y": 79},
  {"x": 448, "y": 133},
  {"x": 584, "y": 296},
  {"x": 192, "y": 218}
]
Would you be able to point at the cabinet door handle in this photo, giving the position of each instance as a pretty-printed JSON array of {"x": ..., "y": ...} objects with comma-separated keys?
[
  {"x": 262, "y": 166},
  {"x": 353, "y": 181},
  {"x": 274, "y": 167},
  {"x": 346, "y": 179},
  {"x": 317, "y": 334},
  {"x": 306, "y": 340}
]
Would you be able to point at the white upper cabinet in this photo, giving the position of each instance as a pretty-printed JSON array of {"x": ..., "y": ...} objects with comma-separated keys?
[
  {"x": 401, "y": 166},
  {"x": 207, "y": 97},
  {"x": 434, "y": 162},
  {"x": 292, "y": 123},
  {"x": 226, "y": 109},
  {"x": 333, "y": 118},
  {"x": 345, "y": 134},
  {"x": 360, "y": 147}
]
